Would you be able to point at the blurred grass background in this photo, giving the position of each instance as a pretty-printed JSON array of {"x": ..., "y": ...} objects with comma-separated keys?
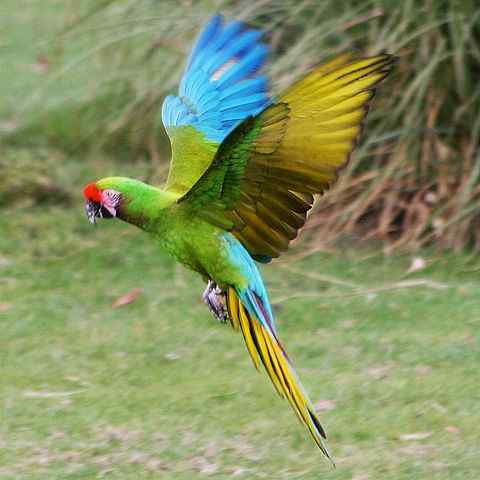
[
  {"x": 93, "y": 79},
  {"x": 387, "y": 346}
]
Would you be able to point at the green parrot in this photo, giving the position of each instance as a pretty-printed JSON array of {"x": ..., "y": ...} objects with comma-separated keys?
[{"x": 244, "y": 171}]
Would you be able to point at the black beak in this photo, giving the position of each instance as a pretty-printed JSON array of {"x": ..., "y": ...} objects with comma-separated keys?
[{"x": 92, "y": 209}]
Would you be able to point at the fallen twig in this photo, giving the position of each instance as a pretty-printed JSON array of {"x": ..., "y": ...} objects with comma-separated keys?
[
  {"x": 319, "y": 277},
  {"x": 367, "y": 291}
]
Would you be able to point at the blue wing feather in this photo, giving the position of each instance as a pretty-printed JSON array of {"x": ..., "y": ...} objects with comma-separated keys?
[
  {"x": 247, "y": 87},
  {"x": 220, "y": 86},
  {"x": 245, "y": 67},
  {"x": 224, "y": 53},
  {"x": 210, "y": 30}
]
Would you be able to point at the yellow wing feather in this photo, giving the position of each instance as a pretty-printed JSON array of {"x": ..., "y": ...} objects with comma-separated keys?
[{"x": 319, "y": 119}]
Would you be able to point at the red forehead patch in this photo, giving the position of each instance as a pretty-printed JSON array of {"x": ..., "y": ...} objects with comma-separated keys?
[{"x": 92, "y": 193}]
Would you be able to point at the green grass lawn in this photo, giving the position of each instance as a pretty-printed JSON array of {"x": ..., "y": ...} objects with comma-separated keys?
[{"x": 158, "y": 389}]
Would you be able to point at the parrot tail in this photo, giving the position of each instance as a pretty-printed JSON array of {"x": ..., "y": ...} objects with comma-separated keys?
[{"x": 248, "y": 314}]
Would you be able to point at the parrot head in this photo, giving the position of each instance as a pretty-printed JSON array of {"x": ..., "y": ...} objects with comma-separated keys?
[
  {"x": 100, "y": 203},
  {"x": 127, "y": 199}
]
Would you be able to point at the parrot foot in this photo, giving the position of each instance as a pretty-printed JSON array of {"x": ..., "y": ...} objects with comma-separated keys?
[{"x": 214, "y": 297}]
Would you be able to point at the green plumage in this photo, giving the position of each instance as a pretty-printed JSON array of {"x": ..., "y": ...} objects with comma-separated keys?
[
  {"x": 191, "y": 157},
  {"x": 178, "y": 230},
  {"x": 257, "y": 186}
]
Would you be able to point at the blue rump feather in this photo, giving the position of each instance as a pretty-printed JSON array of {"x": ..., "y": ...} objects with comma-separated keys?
[
  {"x": 255, "y": 288},
  {"x": 221, "y": 85}
]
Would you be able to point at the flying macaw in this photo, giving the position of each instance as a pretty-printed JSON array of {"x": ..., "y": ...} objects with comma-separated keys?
[{"x": 244, "y": 171}]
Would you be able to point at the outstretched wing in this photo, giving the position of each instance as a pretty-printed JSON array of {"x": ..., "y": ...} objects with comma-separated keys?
[
  {"x": 219, "y": 88},
  {"x": 263, "y": 178}
]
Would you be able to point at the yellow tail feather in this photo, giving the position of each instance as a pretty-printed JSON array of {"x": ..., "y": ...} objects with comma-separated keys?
[{"x": 260, "y": 343}]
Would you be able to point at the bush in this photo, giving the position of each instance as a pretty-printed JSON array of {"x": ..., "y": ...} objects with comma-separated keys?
[{"x": 413, "y": 180}]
